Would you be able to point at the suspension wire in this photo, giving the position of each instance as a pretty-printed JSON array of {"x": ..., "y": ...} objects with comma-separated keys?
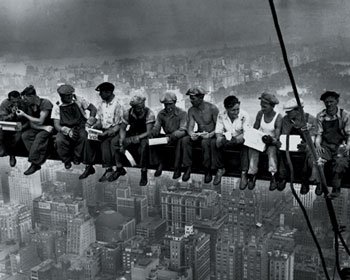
[
  {"x": 306, "y": 133},
  {"x": 308, "y": 222}
]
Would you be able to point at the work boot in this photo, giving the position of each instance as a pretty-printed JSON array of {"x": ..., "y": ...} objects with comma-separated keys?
[
  {"x": 144, "y": 179},
  {"x": 109, "y": 171},
  {"x": 32, "y": 169},
  {"x": 159, "y": 170},
  {"x": 2, "y": 151},
  {"x": 13, "y": 161},
  {"x": 251, "y": 181},
  {"x": 187, "y": 174},
  {"x": 281, "y": 184},
  {"x": 304, "y": 188},
  {"x": 207, "y": 177},
  {"x": 318, "y": 190},
  {"x": 335, "y": 192},
  {"x": 218, "y": 176},
  {"x": 116, "y": 174},
  {"x": 273, "y": 182},
  {"x": 243, "y": 184},
  {"x": 177, "y": 173},
  {"x": 89, "y": 170},
  {"x": 68, "y": 165}
]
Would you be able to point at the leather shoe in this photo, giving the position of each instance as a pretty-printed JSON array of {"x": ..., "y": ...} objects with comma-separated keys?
[
  {"x": 318, "y": 190},
  {"x": 251, "y": 181},
  {"x": 244, "y": 181},
  {"x": 335, "y": 192},
  {"x": 304, "y": 188},
  {"x": 177, "y": 173},
  {"x": 116, "y": 174},
  {"x": 144, "y": 179},
  {"x": 13, "y": 161},
  {"x": 207, "y": 177},
  {"x": 159, "y": 170},
  {"x": 2, "y": 152},
  {"x": 89, "y": 170},
  {"x": 281, "y": 185},
  {"x": 67, "y": 165},
  {"x": 106, "y": 175},
  {"x": 187, "y": 174},
  {"x": 32, "y": 169},
  {"x": 218, "y": 176}
]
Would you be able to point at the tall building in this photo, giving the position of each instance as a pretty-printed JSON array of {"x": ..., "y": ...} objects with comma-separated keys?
[
  {"x": 225, "y": 259},
  {"x": 15, "y": 223},
  {"x": 71, "y": 178},
  {"x": 111, "y": 259},
  {"x": 80, "y": 234},
  {"x": 153, "y": 228},
  {"x": 53, "y": 211},
  {"x": 307, "y": 199},
  {"x": 281, "y": 265},
  {"x": 43, "y": 271},
  {"x": 181, "y": 207},
  {"x": 24, "y": 189},
  {"x": 48, "y": 243},
  {"x": 48, "y": 171},
  {"x": 89, "y": 190}
]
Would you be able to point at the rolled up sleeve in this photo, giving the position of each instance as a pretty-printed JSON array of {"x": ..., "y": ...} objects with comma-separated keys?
[{"x": 219, "y": 128}]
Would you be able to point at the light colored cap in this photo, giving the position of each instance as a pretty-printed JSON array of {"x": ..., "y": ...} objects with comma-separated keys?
[
  {"x": 168, "y": 97},
  {"x": 137, "y": 100},
  {"x": 292, "y": 104}
]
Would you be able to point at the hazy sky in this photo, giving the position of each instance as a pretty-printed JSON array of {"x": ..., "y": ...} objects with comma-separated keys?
[{"x": 44, "y": 28}]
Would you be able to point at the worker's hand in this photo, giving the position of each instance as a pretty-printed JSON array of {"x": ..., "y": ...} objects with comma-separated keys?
[
  {"x": 205, "y": 135},
  {"x": 267, "y": 139},
  {"x": 194, "y": 136},
  {"x": 177, "y": 133},
  {"x": 65, "y": 130},
  {"x": 74, "y": 134},
  {"x": 90, "y": 121},
  {"x": 319, "y": 150},
  {"x": 221, "y": 141},
  {"x": 20, "y": 113}
]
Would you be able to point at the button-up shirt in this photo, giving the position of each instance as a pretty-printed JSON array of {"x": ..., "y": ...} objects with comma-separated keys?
[
  {"x": 82, "y": 103},
  {"x": 110, "y": 114},
  {"x": 236, "y": 127},
  {"x": 150, "y": 118},
  {"x": 343, "y": 117},
  {"x": 170, "y": 122}
]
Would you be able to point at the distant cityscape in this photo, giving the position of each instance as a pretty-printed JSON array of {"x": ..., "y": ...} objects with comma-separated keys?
[{"x": 55, "y": 226}]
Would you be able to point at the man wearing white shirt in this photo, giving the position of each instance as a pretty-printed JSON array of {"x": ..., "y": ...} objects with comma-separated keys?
[{"x": 229, "y": 131}]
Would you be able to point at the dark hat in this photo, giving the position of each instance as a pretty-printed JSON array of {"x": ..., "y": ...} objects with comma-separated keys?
[
  {"x": 269, "y": 98},
  {"x": 168, "y": 97},
  {"x": 106, "y": 86},
  {"x": 328, "y": 94},
  {"x": 196, "y": 91},
  {"x": 65, "y": 89}
]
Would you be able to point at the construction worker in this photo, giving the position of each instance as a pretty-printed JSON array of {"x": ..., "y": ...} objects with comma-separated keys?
[
  {"x": 292, "y": 125},
  {"x": 109, "y": 119},
  {"x": 332, "y": 141},
  {"x": 141, "y": 120},
  {"x": 70, "y": 120},
  {"x": 9, "y": 140},
  {"x": 36, "y": 137},
  {"x": 204, "y": 114},
  {"x": 173, "y": 121},
  {"x": 269, "y": 122},
  {"x": 231, "y": 123}
]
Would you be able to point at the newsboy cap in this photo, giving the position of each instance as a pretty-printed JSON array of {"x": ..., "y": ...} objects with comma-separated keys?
[
  {"x": 65, "y": 89},
  {"x": 269, "y": 98},
  {"x": 328, "y": 94},
  {"x": 196, "y": 91},
  {"x": 292, "y": 104},
  {"x": 168, "y": 97},
  {"x": 137, "y": 100},
  {"x": 106, "y": 86}
]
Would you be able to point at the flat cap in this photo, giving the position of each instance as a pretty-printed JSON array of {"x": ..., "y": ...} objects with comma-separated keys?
[
  {"x": 292, "y": 104},
  {"x": 196, "y": 91},
  {"x": 328, "y": 94},
  {"x": 168, "y": 97},
  {"x": 106, "y": 86},
  {"x": 29, "y": 90},
  {"x": 137, "y": 100},
  {"x": 269, "y": 98},
  {"x": 65, "y": 89}
]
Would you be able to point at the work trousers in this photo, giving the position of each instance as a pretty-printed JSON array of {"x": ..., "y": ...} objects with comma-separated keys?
[
  {"x": 37, "y": 143},
  {"x": 178, "y": 144},
  {"x": 71, "y": 150},
  {"x": 271, "y": 152},
  {"x": 9, "y": 141}
]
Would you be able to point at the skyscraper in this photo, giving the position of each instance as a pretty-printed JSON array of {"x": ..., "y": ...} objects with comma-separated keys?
[{"x": 281, "y": 265}]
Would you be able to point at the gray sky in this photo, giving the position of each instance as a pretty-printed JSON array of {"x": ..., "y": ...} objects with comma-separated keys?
[{"x": 43, "y": 28}]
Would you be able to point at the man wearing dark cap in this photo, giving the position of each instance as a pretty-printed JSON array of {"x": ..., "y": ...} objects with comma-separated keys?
[
  {"x": 173, "y": 121},
  {"x": 292, "y": 125},
  {"x": 141, "y": 120},
  {"x": 36, "y": 137},
  {"x": 269, "y": 122},
  {"x": 10, "y": 139},
  {"x": 109, "y": 119},
  {"x": 204, "y": 114},
  {"x": 70, "y": 120},
  {"x": 332, "y": 141}
]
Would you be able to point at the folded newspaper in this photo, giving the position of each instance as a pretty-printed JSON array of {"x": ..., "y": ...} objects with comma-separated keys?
[
  {"x": 10, "y": 126},
  {"x": 294, "y": 141},
  {"x": 93, "y": 134},
  {"x": 253, "y": 139},
  {"x": 158, "y": 141}
]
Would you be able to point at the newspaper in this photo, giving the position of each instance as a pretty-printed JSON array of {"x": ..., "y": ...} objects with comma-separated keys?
[
  {"x": 158, "y": 141},
  {"x": 93, "y": 134},
  {"x": 253, "y": 139},
  {"x": 10, "y": 126},
  {"x": 294, "y": 141}
]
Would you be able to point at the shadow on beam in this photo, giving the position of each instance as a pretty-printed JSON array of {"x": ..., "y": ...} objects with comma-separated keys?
[{"x": 231, "y": 159}]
